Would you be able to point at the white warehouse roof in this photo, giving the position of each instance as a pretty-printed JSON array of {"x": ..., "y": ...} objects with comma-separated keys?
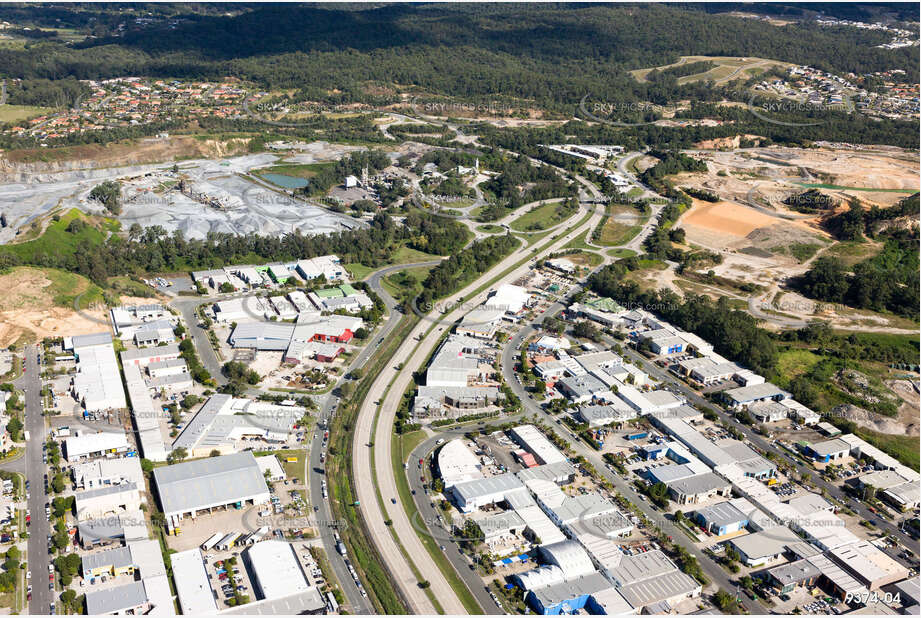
[
  {"x": 276, "y": 569},
  {"x": 457, "y": 464}
]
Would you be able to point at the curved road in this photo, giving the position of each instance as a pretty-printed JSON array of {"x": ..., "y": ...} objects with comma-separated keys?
[
  {"x": 394, "y": 380},
  {"x": 314, "y": 469}
]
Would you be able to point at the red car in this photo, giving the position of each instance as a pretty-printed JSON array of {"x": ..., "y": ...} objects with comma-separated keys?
[{"x": 51, "y": 577}]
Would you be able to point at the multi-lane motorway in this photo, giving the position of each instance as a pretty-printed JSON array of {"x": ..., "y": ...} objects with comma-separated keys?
[
  {"x": 359, "y": 603},
  {"x": 390, "y": 385}
]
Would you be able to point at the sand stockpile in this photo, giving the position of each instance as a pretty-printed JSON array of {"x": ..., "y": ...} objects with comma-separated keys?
[{"x": 726, "y": 218}]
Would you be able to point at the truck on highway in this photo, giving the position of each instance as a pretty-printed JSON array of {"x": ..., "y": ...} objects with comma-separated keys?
[{"x": 340, "y": 547}]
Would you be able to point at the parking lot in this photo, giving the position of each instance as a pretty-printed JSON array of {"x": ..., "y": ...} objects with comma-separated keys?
[{"x": 228, "y": 577}]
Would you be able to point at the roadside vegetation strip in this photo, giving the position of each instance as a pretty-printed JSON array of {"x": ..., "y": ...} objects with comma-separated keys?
[
  {"x": 447, "y": 570},
  {"x": 542, "y": 216},
  {"x": 382, "y": 590},
  {"x": 380, "y": 500},
  {"x": 341, "y": 486},
  {"x": 409, "y": 505}
]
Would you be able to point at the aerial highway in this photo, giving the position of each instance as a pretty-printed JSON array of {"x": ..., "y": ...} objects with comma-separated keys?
[
  {"x": 385, "y": 395},
  {"x": 360, "y": 604}
]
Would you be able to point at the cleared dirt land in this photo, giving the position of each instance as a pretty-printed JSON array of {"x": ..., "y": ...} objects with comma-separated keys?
[
  {"x": 38, "y": 303},
  {"x": 875, "y": 175},
  {"x": 727, "y": 68}
]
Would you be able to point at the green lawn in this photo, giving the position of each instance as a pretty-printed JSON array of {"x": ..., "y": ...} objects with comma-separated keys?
[
  {"x": 634, "y": 192},
  {"x": 66, "y": 287},
  {"x": 490, "y": 228},
  {"x": 541, "y": 218},
  {"x": 621, "y": 253},
  {"x": 407, "y": 255},
  {"x": 578, "y": 242},
  {"x": 584, "y": 258},
  {"x": 407, "y": 283},
  {"x": 358, "y": 272},
  {"x": 403, "y": 255},
  {"x": 794, "y": 362}
]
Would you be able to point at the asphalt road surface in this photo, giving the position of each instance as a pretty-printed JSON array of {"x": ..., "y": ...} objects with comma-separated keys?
[
  {"x": 431, "y": 521},
  {"x": 38, "y": 557},
  {"x": 388, "y": 389},
  {"x": 187, "y": 307},
  {"x": 359, "y": 604}
]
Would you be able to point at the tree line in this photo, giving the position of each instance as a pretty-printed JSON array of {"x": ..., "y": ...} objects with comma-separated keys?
[
  {"x": 153, "y": 250},
  {"x": 733, "y": 333}
]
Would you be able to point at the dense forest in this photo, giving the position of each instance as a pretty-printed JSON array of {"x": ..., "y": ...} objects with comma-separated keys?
[
  {"x": 551, "y": 55},
  {"x": 515, "y": 59},
  {"x": 463, "y": 267}
]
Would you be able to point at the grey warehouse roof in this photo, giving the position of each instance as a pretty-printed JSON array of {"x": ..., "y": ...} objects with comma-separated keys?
[
  {"x": 699, "y": 484},
  {"x": 664, "y": 587},
  {"x": 115, "y": 599},
  {"x": 198, "y": 484},
  {"x": 722, "y": 514}
]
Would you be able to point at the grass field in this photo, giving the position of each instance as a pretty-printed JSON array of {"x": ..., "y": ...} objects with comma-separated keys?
[
  {"x": 614, "y": 233},
  {"x": 56, "y": 240},
  {"x": 579, "y": 242},
  {"x": 406, "y": 284},
  {"x": 621, "y": 253},
  {"x": 541, "y": 218},
  {"x": 584, "y": 258},
  {"x": 794, "y": 362},
  {"x": 852, "y": 252},
  {"x": 727, "y": 67},
  {"x": 129, "y": 287},
  {"x": 490, "y": 228},
  {"x": 403, "y": 255},
  {"x": 15, "y": 113}
]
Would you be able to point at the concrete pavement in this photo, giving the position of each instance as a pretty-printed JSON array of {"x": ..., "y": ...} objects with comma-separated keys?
[
  {"x": 393, "y": 381},
  {"x": 314, "y": 468}
]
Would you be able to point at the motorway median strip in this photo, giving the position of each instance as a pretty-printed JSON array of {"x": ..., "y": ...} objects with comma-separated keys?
[
  {"x": 446, "y": 568},
  {"x": 396, "y": 539},
  {"x": 464, "y": 594},
  {"x": 382, "y": 590}
]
